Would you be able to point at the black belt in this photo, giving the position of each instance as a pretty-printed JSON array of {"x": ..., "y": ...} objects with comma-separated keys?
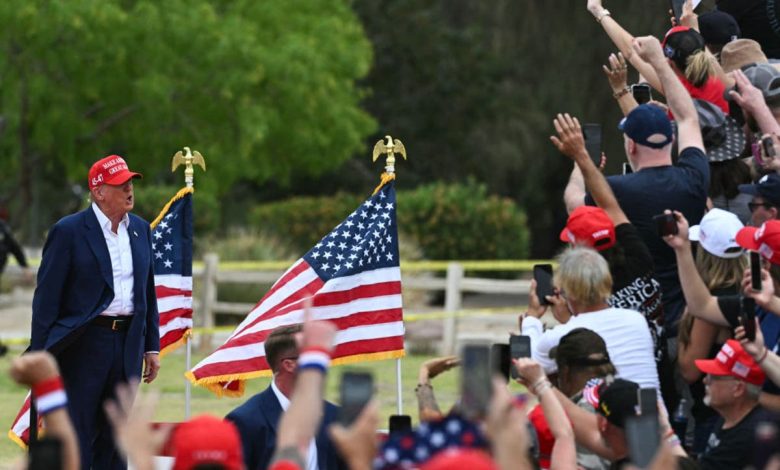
[{"x": 115, "y": 323}]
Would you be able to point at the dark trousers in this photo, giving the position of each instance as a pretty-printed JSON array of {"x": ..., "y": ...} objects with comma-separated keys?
[{"x": 91, "y": 368}]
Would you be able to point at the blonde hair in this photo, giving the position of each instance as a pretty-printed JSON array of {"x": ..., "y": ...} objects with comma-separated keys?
[
  {"x": 719, "y": 273},
  {"x": 699, "y": 67},
  {"x": 584, "y": 276}
]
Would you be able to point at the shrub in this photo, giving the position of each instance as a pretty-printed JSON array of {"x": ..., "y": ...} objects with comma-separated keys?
[{"x": 446, "y": 221}]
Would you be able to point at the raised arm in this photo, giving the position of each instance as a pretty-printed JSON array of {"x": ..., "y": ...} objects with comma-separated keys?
[
  {"x": 622, "y": 40},
  {"x": 701, "y": 303},
  {"x": 751, "y": 100},
  {"x": 677, "y": 97},
  {"x": 616, "y": 74},
  {"x": 571, "y": 143},
  {"x": 427, "y": 406},
  {"x": 769, "y": 361}
]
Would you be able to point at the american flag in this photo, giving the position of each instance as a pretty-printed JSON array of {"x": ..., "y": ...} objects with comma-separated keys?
[
  {"x": 353, "y": 278},
  {"x": 172, "y": 252}
]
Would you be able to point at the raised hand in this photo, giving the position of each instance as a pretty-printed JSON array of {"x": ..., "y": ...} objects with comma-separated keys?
[
  {"x": 569, "y": 140},
  {"x": 649, "y": 49},
  {"x": 616, "y": 72},
  {"x": 680, "y": 240}
]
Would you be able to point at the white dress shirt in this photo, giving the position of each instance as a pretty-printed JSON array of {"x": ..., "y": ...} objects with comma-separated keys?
[
  {"x": 311, "y": 463},
  {"x": 121, "y": 264}
]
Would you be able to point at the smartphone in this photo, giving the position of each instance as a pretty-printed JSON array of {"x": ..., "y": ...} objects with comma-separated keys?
[
  {"x": 476, "y": 386},
  {"x": 543, "y": 275},
  {"x": 769, "y": 147},
  {"x": 356, "y": 390},
  {"x": 627, "y": 168},
  {"x": 519, "y": 346},
  {"x": 592, "y": 134},
  {"x": 641, "y": 93},
  {"x": 747, "y": 317},
  {"x": 665, "y": 224},
  {"x": 45, "y": 454},
  {"x": 755, "y": 271},
  {"x": 399, "y": 423},
  {"x": 500, "y": 362},
  {"x": 643, "y": 430},
  {"x": 677, "y": 7}
]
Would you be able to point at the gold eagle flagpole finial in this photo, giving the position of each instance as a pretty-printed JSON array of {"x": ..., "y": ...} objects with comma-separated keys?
[
  {"x": 188, "y": 158},
  {"x": 389, "y": 148}
]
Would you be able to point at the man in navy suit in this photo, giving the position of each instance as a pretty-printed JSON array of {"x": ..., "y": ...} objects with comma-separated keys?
[
  {"x": 258, "y": 418},
  {"x": 95, "y": 306}
]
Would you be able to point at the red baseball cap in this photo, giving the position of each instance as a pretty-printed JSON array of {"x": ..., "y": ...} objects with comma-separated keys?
[
  {"x": 460, "y": 459},
  {"x": 590, "y": 226},
  {"x": 764, "y": 239},
  {"x": 674, "y": 30},
  {"x": 734, "y": 361},
  {"x": 111, "y": 170},
  {"x": 206, "y": 439}
]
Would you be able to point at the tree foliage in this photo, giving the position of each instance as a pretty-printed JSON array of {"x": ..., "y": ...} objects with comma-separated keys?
[{"x": 262, "y": 89}]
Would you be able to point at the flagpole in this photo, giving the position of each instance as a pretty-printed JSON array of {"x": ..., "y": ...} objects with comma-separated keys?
[
  {"x": 399, "y": 400},
  {"x": 188, "y": 158}
]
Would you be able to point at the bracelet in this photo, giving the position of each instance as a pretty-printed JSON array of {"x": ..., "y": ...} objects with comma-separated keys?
[
  {"x": 546, "y": 385},
  {"x": 540, "y": 385},
  {"x": 419, "y": 386},
  {"x": 619, "y": 94},
  {"x": 49, "y": 395},
  {"x": 763, "y": 356},
  {"x": 604, "y": 12},
  {"x": 314, "y": 358}
]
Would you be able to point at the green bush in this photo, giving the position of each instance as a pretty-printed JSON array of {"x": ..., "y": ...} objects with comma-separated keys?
[{"x": 446, "y": 221}]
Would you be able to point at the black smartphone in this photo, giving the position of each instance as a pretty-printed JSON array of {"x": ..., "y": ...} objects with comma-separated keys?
[
  {"x": 45, "y": 454},
  {"x": 643, "y": 430},
  {"x": 500, "y": 362},
  {"x": 592, "y": 134},
  {"x": 641, "y": 93},
  {"x": 543, "y": 275},
  {"x": 665, "y": 224},
  {"x": 356, "y": 389},
  {"x": 755, "y": 271},
  {"x": 519, "y": 346},
  {"x": 476, "y": 386},
  {"x": 677, "y": 7},
  {"x": 747, "y": 317},
  {"x": 627, "y": 168},
  {"x": 769, "y": 147},
  {"x": 399, "y": 423}
]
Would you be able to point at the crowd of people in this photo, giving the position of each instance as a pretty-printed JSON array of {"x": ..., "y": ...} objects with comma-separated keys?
[{"x": 658, "y": 352}]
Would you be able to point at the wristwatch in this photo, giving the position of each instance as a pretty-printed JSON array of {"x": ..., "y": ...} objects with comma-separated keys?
[{"x": 604, "y": 12}]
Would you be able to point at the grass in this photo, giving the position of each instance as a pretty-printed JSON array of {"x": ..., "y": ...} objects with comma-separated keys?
[{"x": 171, "y": 384}]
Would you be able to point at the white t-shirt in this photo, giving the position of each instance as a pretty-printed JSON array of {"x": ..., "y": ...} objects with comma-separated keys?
[{"x": 625, "y": 332}]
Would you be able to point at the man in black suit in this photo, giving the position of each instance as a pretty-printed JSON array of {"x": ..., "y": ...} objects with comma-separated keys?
[
  {"x": 258, "y": 418},
  {"x": 95, "y": 307}
]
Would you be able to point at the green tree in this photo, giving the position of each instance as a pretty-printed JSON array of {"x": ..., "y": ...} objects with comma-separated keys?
[{"x": 262, "y": 89}]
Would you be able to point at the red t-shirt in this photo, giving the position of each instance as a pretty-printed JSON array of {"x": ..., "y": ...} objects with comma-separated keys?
[{"x": 711, "y": 91}]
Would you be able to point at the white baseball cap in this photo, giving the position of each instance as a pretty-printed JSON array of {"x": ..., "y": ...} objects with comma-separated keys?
[{"x": 717, "y": 233}]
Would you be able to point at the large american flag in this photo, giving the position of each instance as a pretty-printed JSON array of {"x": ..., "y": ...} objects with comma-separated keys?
[
  {"x": 172, "y": 252},
  {"x": 354, "y": 280}
]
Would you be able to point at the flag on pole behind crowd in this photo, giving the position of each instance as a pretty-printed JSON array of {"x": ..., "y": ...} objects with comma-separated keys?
[
  {"x": 353, "y": 278},
  {"x": 172, "y": 252},
  {"x": 172, "y": 248}
]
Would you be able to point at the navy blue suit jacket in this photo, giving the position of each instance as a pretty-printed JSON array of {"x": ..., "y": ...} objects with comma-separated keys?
[
  {"x": 75, "y": 284},
  {"x": 257, "y": 420}
]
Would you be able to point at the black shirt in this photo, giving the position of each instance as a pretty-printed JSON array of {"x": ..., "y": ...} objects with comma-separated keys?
[
  {"x": 758, "y": 20},
  {"x": 731, "y": 448}
]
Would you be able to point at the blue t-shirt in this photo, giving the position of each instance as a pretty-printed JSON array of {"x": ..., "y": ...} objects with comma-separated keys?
[{"x": 650, "y": 191}]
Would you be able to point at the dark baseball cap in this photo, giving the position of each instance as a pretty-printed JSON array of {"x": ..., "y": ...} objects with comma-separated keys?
[
  {"x": 768, "y": 187},
  {"x": 648, "y": 125},
  {"x": 718, "y": 27},
  {"x": 617, "y": 400}
]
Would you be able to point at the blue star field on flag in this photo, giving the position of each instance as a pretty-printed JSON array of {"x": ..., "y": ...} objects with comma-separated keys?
[{"x": 172, "y": 239}]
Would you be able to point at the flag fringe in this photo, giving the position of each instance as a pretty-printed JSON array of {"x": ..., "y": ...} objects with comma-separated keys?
[
  {"x": 214, "y": 383},
  {"x": 17, "y": 440},
  {"x": 173, "y": 346},
  {"x": 386, "y": 178},
  {"x": 182, "y": 192}
]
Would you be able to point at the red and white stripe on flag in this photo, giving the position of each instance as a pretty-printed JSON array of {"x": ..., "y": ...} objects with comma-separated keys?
[
  {"x": 353, "y": 278},
  {"x": 174, "y": 302},
  {"x": 20, "y": 429}
]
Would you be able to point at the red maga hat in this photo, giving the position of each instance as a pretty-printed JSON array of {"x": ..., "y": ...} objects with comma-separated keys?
[
  {"x": 764, "y": 239},
  {"x": 590, "y": 226},
  {"x": 206, "y": 440},
  {"x": 111, "y": 170},
  {"x": 733, "y": 361}
]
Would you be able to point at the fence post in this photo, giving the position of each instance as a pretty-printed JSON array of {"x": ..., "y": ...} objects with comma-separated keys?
[
  {"x": 452, "y": 303},
  {"x": 209, "y": 298}
]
